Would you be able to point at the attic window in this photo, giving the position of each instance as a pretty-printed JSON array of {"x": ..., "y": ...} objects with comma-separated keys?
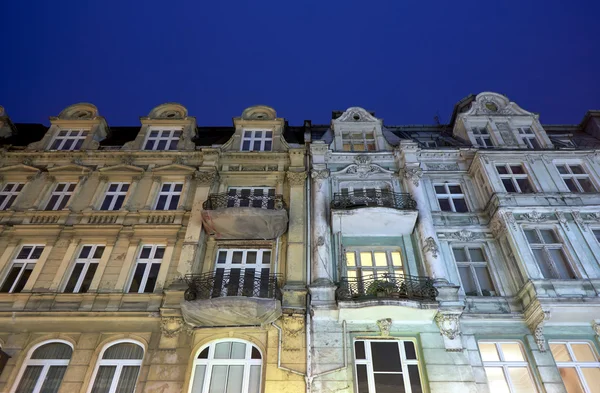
[
  {"x": 260, "y": 116},
  {"x": 356, "y": 117},
  {"x": 171, "y": 115}
]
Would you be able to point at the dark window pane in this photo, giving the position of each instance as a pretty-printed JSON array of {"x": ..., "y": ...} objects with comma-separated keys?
[
  {"x": 532, "y": 236},
  {"x": 74, "y": 277},
  {"x": 85, "y": 251},
  {"x": 222, "y": 257},
  {"x": 174, "y": 202},
  {"x": 166, "y": 187},
  {"x": 203, "y": 354},
  {"x": 23, "y": 279},
  {"x": 460, "y": 255},
  {"x": 361, "y": 378},
  {"x": 251, "y": 257},
  {"x": 162, "y": 143},
  {"x": 501, "y": 169},
  {"x": 571, "y": 184},
  {"x": 52, "y": 203},
  {"x": 24, "y": 253},
  {"x": 125, "y": 187},
  {"x": 178, "y": 186},
  {"x": 460, "y": 205},
  {"x": 158, "y": 254},
  {"x": 455, "y": 189},
  {"x": 586, "y": 184},
  {"x": 137, "y": 277},
  {"x": 415, "y": 379},
  {"x": 255, "y": 353},
  {"x": 68, "y": 144},
  {"x": 119, "y": 202},
  {"x": 409, "y": 349},
  {"x": 266, "y": 259},
  {"x": 268, "y": 146},
  {"x": 173, "y": 145},
  {"x": 63, "y": 202},
  {"x": 269, "y": 134},
  {"x": 89, "y": 276},
  {"x": 508, "y": 185},
  {"x": 113, "y": 187},
  {"x": 72, "y": 186},
  {"x": 386, "y": 356},
  {"x": 160, "y": 205},
  {"x": 445, "y": 205},
  {"x": 440, "y": 190},
  {"x": 36, "y": 252},
  {"x": 152, "y": 276},
  {"x": 246, "y": 146},
  {"x": 359, "y": 349},
  {"x": 149, "y": 144},
  {"x": 256, "y": 146},
  {"x": 237, "y": 257},
  {"x": 106, "y": 203},
  {"x": 145, "y": 252},
  {"x": 517, "y": 169},
  {"x": 11, "y": 277},
  {"x": 577, "y": 169},
  {"x": 78, "y": 144},
  {"x": 525, "y": 186},
  {"x": 389, "y": 383},
  {"x": 562, "y": 169},
  {"x": 549, "y": 236}
]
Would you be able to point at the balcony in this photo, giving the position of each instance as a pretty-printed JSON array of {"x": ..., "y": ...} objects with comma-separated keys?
[
  {"x": 373, "y": 213},
  {"x": 409, "y": 298},
  {"x": 229, "y": 216},
  {"x": 233, "y": 297}
]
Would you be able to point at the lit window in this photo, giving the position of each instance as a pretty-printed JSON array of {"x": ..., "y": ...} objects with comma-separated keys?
[
  {"x": 451, "y": 197},
  {"x": 240, "y": 272},
  {"x": 528, "y": 137},
  {"x": 514, "y": 178},
  {"x": 387, "y": 366},
  {"x": 60, "y": 196},
  {"x": 578, "y": 365},
  {"x": 374, "y": 265},
  {"x": 168, "y": 197},
  {"x": 115, "y": 195},
  {"x": 227, "y": 366},
  {"x": 575, "y": 178},
  {"x": 259, "y": 197},
  {"x": 146, "y": 269},
  {"x": 9, "y": 193},
  {"x": 359, "y": 141},
  {"x": 482, "y": 137},
  {"x": 43, "y": 371},
  {"x": 257, "y": 140},
  {"x": 118, "y": 369},
  {"x": 162, "y": 140},
  {"x": 549, "y": 254},
  {"x": 474, "y": 274},
  {"x": 69, "y": 140},
  {"x": 84, "y": 269},
  {"x": 506, "y": 368},
  {"x": 21, "y": 268}
]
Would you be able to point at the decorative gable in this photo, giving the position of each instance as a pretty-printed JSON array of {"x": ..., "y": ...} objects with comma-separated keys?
[
  {"x": 357, "y": 130},
  {"x": 258, "y": 129}
]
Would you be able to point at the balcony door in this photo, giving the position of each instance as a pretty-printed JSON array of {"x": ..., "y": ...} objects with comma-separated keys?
[
  {"x": 258, "y": 197},
  {"x": 242, "y": 272}
]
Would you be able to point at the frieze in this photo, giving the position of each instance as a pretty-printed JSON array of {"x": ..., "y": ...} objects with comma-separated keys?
[
  {"x": 206, "y": 177},
  {"x": 465, "y": 235},
  {"x": 442, "y": 166},
  {"x": 535, "y": 216}
]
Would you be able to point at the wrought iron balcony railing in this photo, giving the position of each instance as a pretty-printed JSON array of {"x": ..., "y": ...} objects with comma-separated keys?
[
  {"x": 221, "y": 201},
  {"x": 373, "y": 198},
  {"x": 387, "y": 286},
  {"x": 234, "y": 282}
]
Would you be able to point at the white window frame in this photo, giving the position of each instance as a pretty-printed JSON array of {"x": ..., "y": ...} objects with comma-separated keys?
[
  {"x": 149, "y": 262},
  {"x": 11, "y": 191},
  {"x": 482, "y": 136},
  {"x": 210, "y": 362},
  {"x": 45, "y": 363},
  {"x": 250, "y": 135},
  {"x": 168, "y": 138},
  {"x": 368, "y": 361},
  {"x": 550, "y": 246},
  {"x": 81, "y": 135},
  {"x": 87, "y": 262},
  {"x": 366, "y": 142},
  {"x": 170, "y": 194},
  {"x": 504, "y": 364},
  {"x": 264, "y": 201},
  {"x": 575, "y": 176},
  {"x": 577, "y": 365},
  {"x": 26, "y": 262},
  {"x": 115, "y": 195},
  {"x": 513, "y": 177},
  {"x": 228, "y": 264},
  {"x": 527, "y": 134},
  {"x": 118, "y": 363},
  {"x": 471, "y": 265},
  {"x": 64, "y": 193},
  {"x": 447, "y": 195}
]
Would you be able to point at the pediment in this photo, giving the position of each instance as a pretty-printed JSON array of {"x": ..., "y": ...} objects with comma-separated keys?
[
  {"x": 494, "y": 104},
  {"x": 122, "y": 168},
  {"x": 19, "y": 168},
  {"x": 70, "y": 168},
  {"x": 356, "y": 114},
  {"x": 174, "y": 168},
  {"x": 362, "y": 168}
]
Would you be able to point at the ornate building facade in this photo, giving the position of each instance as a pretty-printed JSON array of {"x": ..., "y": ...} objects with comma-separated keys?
[{"x": 349, "y": 257}]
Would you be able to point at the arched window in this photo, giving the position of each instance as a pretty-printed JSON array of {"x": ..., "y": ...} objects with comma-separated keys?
[
  {"x": 118, "y": 368},
  {"x": 44, "y": 368},
  {"x": 227, "y": 366}
]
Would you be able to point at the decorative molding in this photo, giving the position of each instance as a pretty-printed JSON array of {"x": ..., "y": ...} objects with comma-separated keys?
[
  {"x": 293, "y": 326},
  {"x": 156, "y": 179},
  {"x": 180, "y": 160},
  {"x": 413, "y": 174},
  {"x": 363, "y": 168},
  {"x": 296, "y": 178},
  {"x": 449, "y": 324},
  {"x": 536, "y": 325},
  {"x": 431, "y": 246},
  {"x": 127, "y": 159},
  {"x": 596, "y": 327},
  {"x": 103, "y": 178},
  {"x": 535, "y": 216},
  {"x": 442, "y": 166},
  {"x": 321, "y": 174},
  {"x": 171, "y": 326},
  {"x": 384, "y": 326},
  {"x": 562, "y": 219},
  {"x": 206, "y": 177},
  {"x": 27, "y": 161},
  {"x": 464, "y": 235},
  {"x": 579, "y": 220},
  {"x": 356, "y": 115}
]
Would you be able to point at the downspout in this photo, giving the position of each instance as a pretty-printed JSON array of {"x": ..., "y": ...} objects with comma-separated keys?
[
  {"x": 308, "y": 319},
  {"x": 311, "y": 377},
  {"x": 279, "y": 366},
  {"x": 276, "y": 256}
]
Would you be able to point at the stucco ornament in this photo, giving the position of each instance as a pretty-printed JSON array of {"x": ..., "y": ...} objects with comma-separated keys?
[
  {"x": 448, "y": 323},
  {"x": 356, "y": 114},
  {"x": 579, "y": 220},
  {"x": 206, "y": 177},
  {"x": 465, "y": 235},
  {"x": 431, "y": 246},
  {"x": 596, "y": 327},
  {"x": 535, "y": 216},
  {"x": 171, "y": 326},
  {"x": 319, "y": 174},
  {"x": 384, "y": 326},
  {"x": 562, "y": 219},
  {"x": 536, "y": 323},
  {"x": 296, "y": 178},
  {"x": 443, "y": 166},
  {"x": 413, "y": 174}
]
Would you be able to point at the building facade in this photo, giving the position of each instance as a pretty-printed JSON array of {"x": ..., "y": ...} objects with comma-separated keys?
[{"x": 262, "y": 257}]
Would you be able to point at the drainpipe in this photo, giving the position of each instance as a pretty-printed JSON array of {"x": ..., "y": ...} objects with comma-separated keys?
[
  {"x": 308, "y": 320},
  {"x": 279, "y": 354},
  {"x": 312, "y": 377},
  {"x": 276, "y": 256}
]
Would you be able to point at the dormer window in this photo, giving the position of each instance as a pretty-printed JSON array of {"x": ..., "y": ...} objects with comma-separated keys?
[
  {"x": 482, "y": 137},
  {"x": 257, "y": 140},
  {"x": 528, "y": 137},
  {"x": 69, "y": 139},
  {"x": 359, "y": 141},
  {"x": 162, "y": 139}
]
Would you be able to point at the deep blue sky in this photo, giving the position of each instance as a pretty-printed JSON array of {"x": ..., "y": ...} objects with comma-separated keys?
[{"x": 406, "y": 60}]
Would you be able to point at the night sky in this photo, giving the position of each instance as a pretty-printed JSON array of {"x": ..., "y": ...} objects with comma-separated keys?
[{"x": 405, "y": 60}]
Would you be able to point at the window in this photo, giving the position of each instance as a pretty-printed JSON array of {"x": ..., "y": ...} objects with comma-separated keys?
[
  {"x": 549, "y": 254},
  {"x": 528, "y": 137},
  {"x": 146, "y": 269},
  {"x": 514, "y": 178},
  {"x": 356, "y": 196},
  {"x": 474, "y": 273},
  {"x": 451, "y": 198},
  {"x": 575, "y": 178},
  {"x": 387, "y": 366},
  {"x": 60, "y": 196},
  {"x": 115, "y": 195},
  {"x": 69, "y": 140},
  {"x": 9, "y": 193},
  {"x": 21, "y": 268},
  {"x": 117, "y": 371},
  {"x": 597, "y": 234},
  {"x": 359, "y": 141},
  {"x": 429, "y": 144},
  {"x": 257, "y": 140},
  {"x": 242, "y": 272},
  {"x": 44, "y": 369},
  {"x": 227, "y": 366},
  {"x": 482, "y": 137},
  {"x": 168, "y": 197},
  {"x": 373, "y": 264},
  {"x": 578, "y": 365},
  {"x": 84, "y": 269},
  {"x": 162, "y": 140},
  {"x": 506, "y": 367},
  {"x": 260, "y": 197}
]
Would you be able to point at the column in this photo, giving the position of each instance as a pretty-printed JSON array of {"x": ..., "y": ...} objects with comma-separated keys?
[{"x": 294, "y": 292}]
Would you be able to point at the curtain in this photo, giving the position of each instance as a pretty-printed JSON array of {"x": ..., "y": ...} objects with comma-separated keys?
[
  {"x": 53, "y": 351},
  {"x": 127, "y": 379},
  {"x": 124, "y": 351},
  {"x": 53, "y": 379},
  {"x": 29, "y": 379},
  {"x": 104, "y": 378}
]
